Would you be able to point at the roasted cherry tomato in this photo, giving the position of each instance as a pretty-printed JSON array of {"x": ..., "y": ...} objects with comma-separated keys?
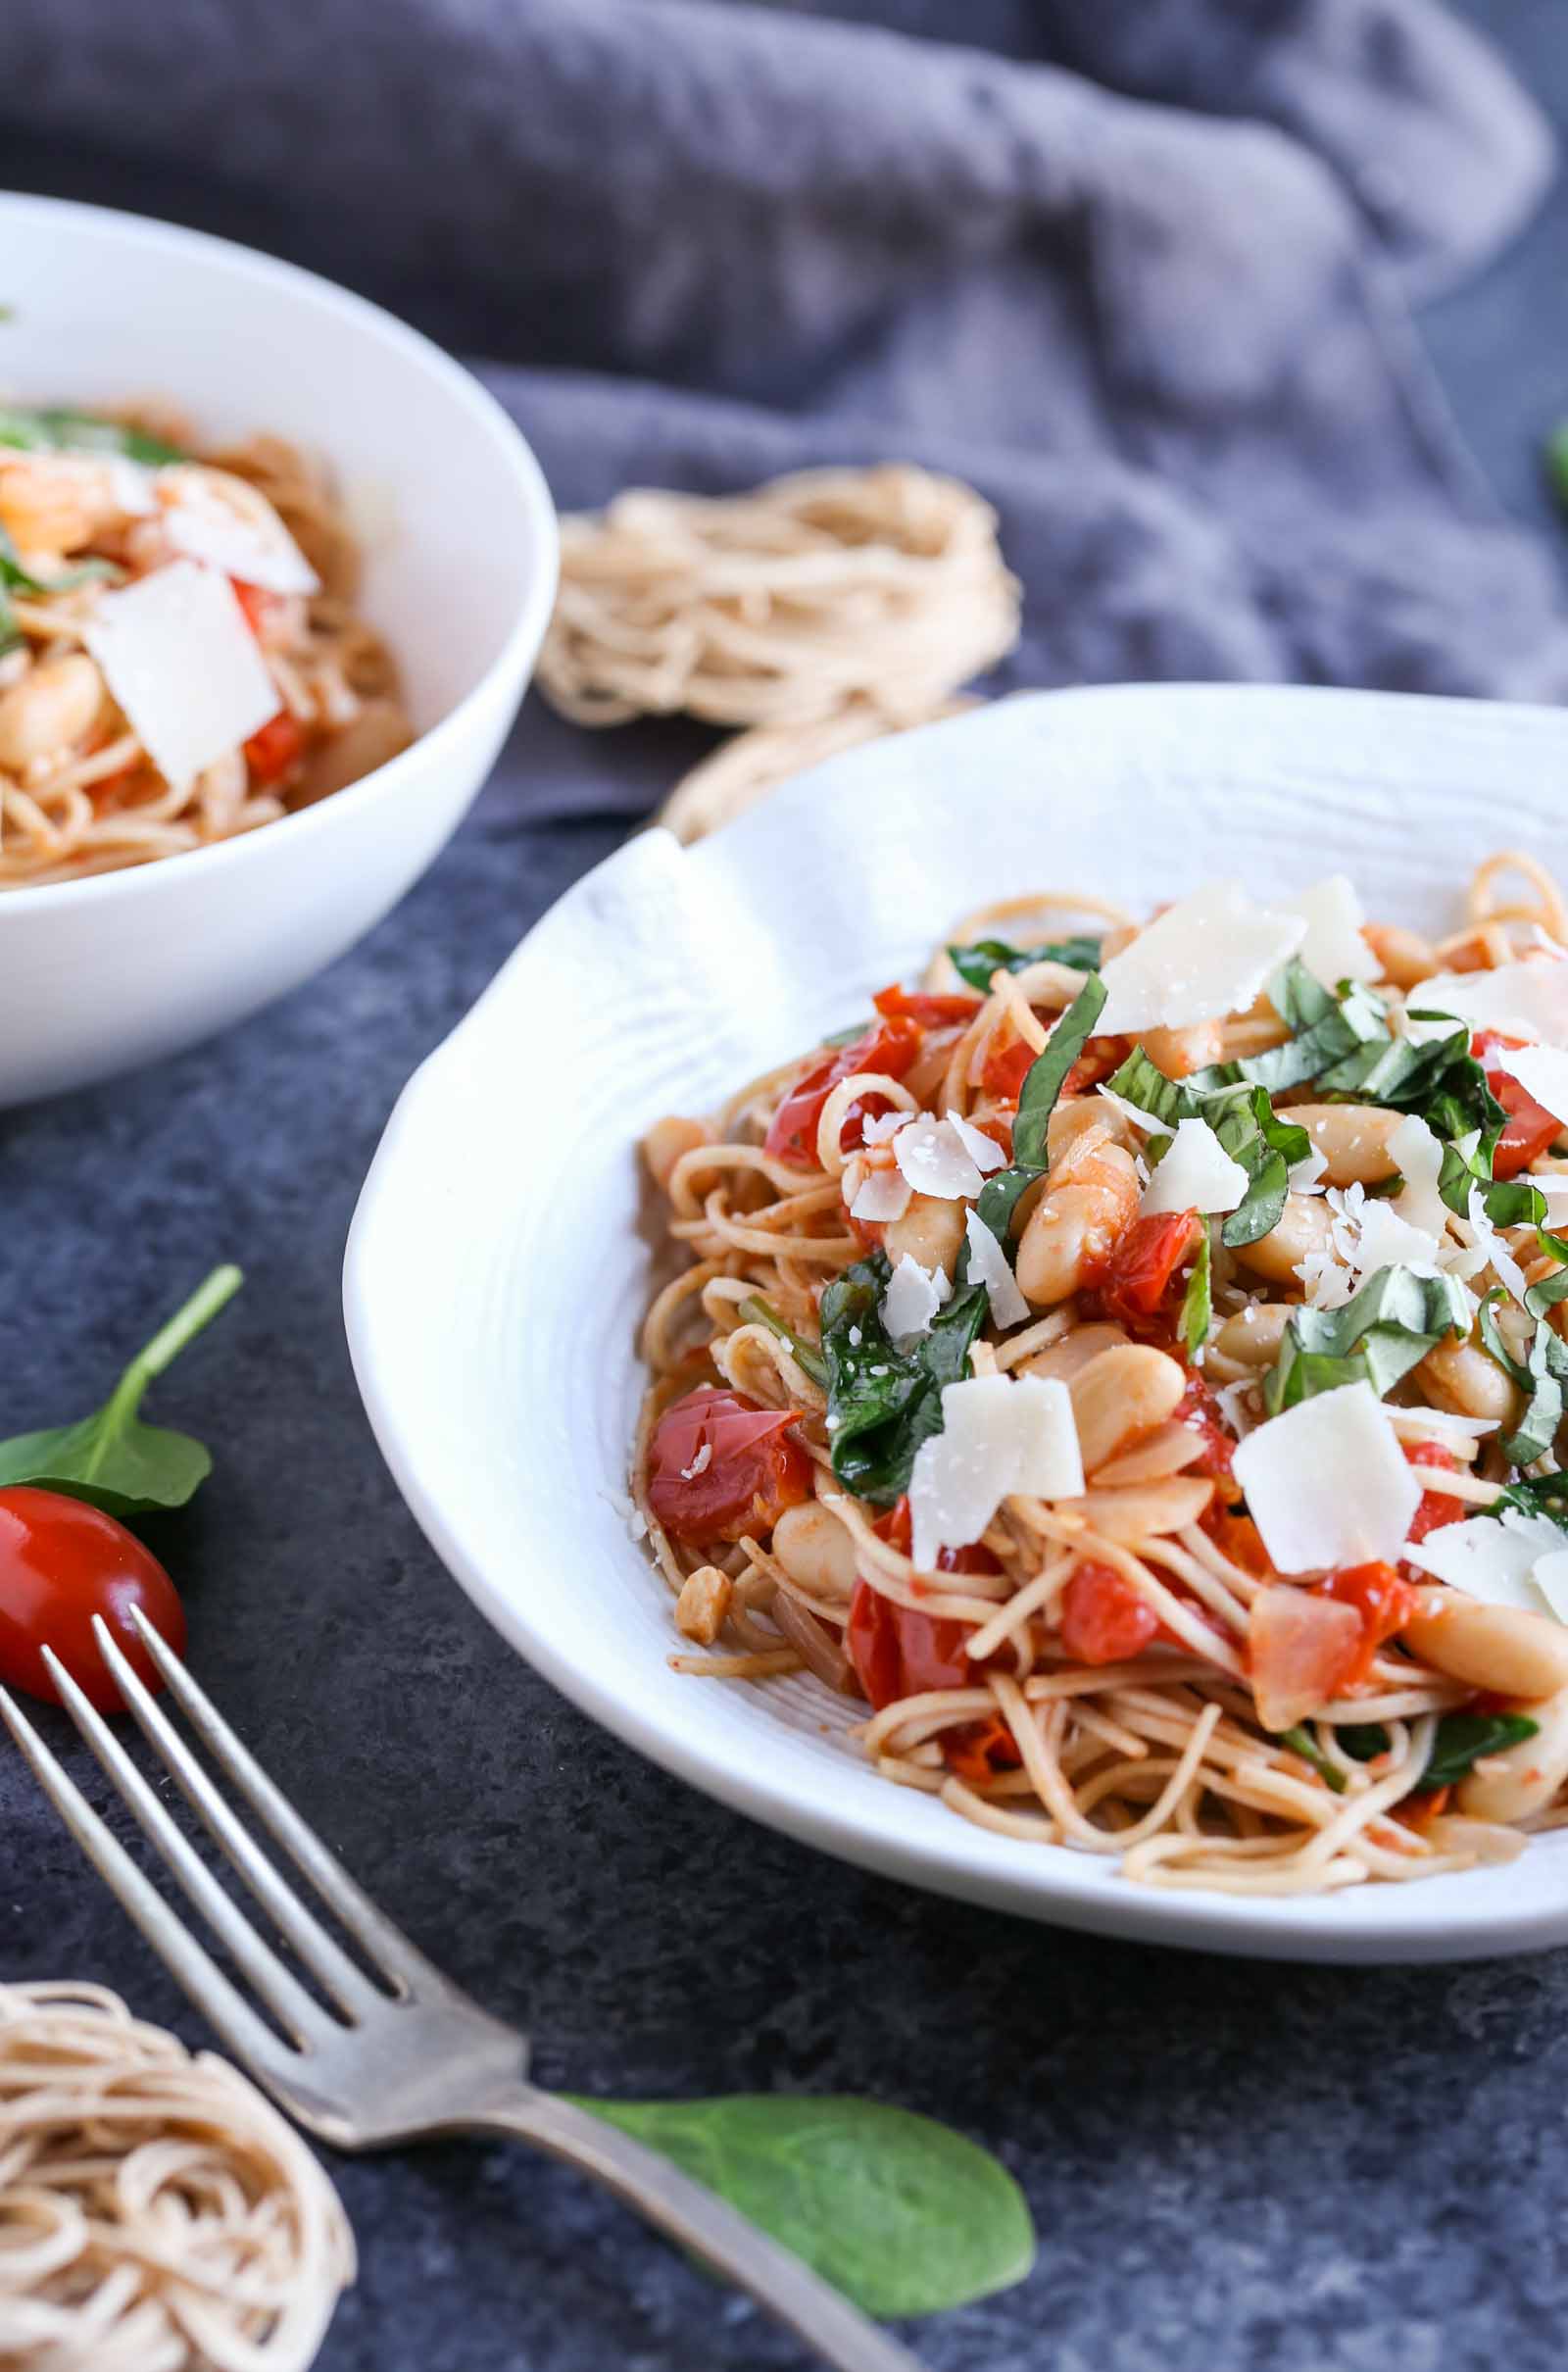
[
  {"x": 259, "y": 604},
  {"x": 927, "y": 1013},
  {"x": 895, "y": 1651},
  {"x": 1384, "y": 1604},
  {"x": 1099, "y": 1058},
  {"x": 61, "y": 1563},
  {"x": 276, "y": 748},
  {"x": 1530, "y": 1127},
  {"x": 1142, "y": 1268},
  {"x": 890, "y": 1048},
  {"x": 721, "y": 1464},
  {"x": 1200, "y": 1409},
  {"x": 1437, "y": 1507},
  {"x": 1009, "y": 1061},
  {"x": 977, "y": 1751},
  {"x": 1103, "y": 1619}
]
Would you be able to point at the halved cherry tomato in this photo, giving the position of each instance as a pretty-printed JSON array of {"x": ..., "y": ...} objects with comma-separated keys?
[
  {"x": 930, "y": 1013},
  {"x": 259, "y": 604},
  {"x": 61, "y": 1563},
  {"x": 1384, "y": 1604},
  {"x": 1437, "y": 1507},
  {"x": 1009, "y": 1061},
  {"x": 721, "y": 1464},
  {"x": 1530, "y": 1127},
  {"x": 1102, "y": 1619},
  {"x": 1143, "y": 1265},
  {"x": 1199, "y": 1409},
  {"x": 979, "y": 1749},
  {"x": 899, "y": 1653},
  {"x": 890, "y": 1048},
  {"x": 276, "y": 748},
  {"x": 1099, "y": 1058}
]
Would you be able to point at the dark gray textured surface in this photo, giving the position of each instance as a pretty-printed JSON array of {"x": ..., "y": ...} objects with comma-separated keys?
[{"x": 1231, "y": 2167}]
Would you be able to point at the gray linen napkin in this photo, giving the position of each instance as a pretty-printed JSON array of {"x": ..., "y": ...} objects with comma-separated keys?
[{"x": 1136, "y": 272}]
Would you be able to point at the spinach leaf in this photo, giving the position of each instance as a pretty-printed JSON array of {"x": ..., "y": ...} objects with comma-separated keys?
[
  {"x": 883, "y": 1403},
  {"x": 1464, "y": 1739},
  {"x": 1198, "y": 1302},
  {"x": 1363, "y": 1741},
  {"x": 1246, "y": 1124},
  {"x": 806, "y": 1356},
  {"x": 56, "y": 428},
  {"x": 1392, "y": 1322},
  {"x": 1002, "y": 1194},
  {"x": 110, "y": 1459},
  {"x": 1300, "y": 1741},
  {"x": 976, "y": 964},
  {"x": 901, "y": 2213}
]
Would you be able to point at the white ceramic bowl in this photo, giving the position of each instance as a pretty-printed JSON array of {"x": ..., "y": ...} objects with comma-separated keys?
[
  {"x": 99, "y": 975},
  {"x": 496, "y": 1274}
]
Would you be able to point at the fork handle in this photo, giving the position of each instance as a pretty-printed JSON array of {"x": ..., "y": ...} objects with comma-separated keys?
[{"x": 699, "y": 2221}]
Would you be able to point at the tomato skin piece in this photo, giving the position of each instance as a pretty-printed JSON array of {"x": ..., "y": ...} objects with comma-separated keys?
[
  {"x": 63, "y": 1562},
  {"x": 1099, "y": 1059},
  {"x": 927, "y": 1013},
  {"x": 1530, "y": 1127},
  {"x": 1143, "y": 1263},
  {"x": 1199, "y": 1412},
  {"x": 754, "y": 1468},
  {"x": 792, "y": 1136},
  {"x": 259, "y": 604},
  {"x": 1437, "y": 1507},
  {"x": 1009, "y": 1058},
  {"x": 977, "y": 1751},
  {"x": 278, "y": 745},
  {"x": 1103, "y": 1619},
  {"x": 899, "y": 1653},
  {"x": 1385, "y": 1604}
]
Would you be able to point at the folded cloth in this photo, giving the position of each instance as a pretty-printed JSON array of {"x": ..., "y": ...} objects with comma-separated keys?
[{"x": 696, "y": 242}]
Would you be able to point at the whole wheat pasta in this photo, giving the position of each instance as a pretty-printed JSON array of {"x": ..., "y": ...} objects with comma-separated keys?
[
  {"x": 155, "y": 2213},
  {"x": 1118, "y": 1668}
]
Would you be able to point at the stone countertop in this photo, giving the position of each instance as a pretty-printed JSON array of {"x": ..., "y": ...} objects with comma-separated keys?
[{"x": 1308, "y": 2170}]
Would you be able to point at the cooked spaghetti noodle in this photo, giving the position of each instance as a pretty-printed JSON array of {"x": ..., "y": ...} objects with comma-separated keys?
[
  {"x": 90, "y": 506},
  {"x": 1123, "y": 1667},
  {"x": 155, "y": 2213}
]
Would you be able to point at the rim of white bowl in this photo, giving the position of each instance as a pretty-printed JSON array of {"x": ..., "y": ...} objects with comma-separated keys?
[{"x": 514, "y": 448}]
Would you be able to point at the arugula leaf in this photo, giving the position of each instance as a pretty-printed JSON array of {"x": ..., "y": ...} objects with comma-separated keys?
[
  {"x": 883, "y": 1403},
  {"x": 56, "y": 428},
  {"x": 901, "y": 2213},
  {"x": 1001, "y": 1192},
  {"x": 1463, "y": 1740},
  {"x": 807, "y": 1357},
  {"x": 1300, "y": 1741},
  {"x": 976, "y": 964},
  {"x": 1246, "y": 1124},
  {"x": 110, "y": 1459},
  {"x": 1198, "y": 1302},
  {"x": 1392, "y": 1322}
]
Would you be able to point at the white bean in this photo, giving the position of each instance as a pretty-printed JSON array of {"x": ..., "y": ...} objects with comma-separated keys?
[
  {"x": 1304, "y": 1226},
  {"x": 1073, "y": 1226},
  {"x": 1523, "y": 1778},
  {"x": 1120, "y": 1396},
  {"x": 1252, "y": 1337},
  {"x": 1468, "y": 1381},
  {"x": 1353, "y": 1138},
  {"x": 49, "y": 710},
  {"x": 1507, "y": 1651},
  {"x": 815, "y": 1549},
  {"x": 931, "y": 1232}
]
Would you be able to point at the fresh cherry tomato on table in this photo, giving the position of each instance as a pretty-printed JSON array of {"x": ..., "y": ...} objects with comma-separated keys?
[{"x": 61, "y": 1563}]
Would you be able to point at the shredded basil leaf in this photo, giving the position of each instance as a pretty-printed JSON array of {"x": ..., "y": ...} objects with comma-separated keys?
[
  {"x": 883, "y": 1403},
  {"x": 1540, "y": 1494},
  {"x": 1363, "y": 1741},
  {"x": 1198, "y": 1302},
  {"x": 1463, "y": 1740},
  {"x": 807, "y": 1357},
  {"x": 976, "y": 964},
  {"x": 1002, "y": 1194},
  {"x": 1541, "y": 1377},
  {"x": 1300, "y": 1741},
  {"x": 1392, "y": 1322},
  {"x": 55, "y": 427},
  {"x": 1251, "y": 1130}
]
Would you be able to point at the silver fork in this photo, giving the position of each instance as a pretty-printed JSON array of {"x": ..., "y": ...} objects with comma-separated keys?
[{"x": 414, "y": 2062}]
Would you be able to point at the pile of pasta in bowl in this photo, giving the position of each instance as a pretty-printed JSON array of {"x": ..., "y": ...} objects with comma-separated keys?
[{"x": 1132, "y": 1364}]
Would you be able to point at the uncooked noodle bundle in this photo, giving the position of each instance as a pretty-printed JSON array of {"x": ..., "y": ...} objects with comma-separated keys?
[
  {"x": 1156, "y": 1425},
  {"x": 155, "y": 2213}
]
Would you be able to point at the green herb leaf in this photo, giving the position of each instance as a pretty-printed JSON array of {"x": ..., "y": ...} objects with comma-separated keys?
[
  {"x": 901, "y": 2213},
  {"x": 1392, "y": 1322},
  {"x": 1540, "y": 1494},
  {"x": 1551, "y": 1290},
  {"x": 1037, "y": 1100},
  {"x": 56, "y": 428},
  {"x": 1300, "y": 1741},
  {"x": 806, "y": 1356},
  {"x": 110, "y": 1459},
  {"x": 976, "y": 964},
  {"x": 1463, "y": 1740},
  {"x": 883, "y": 1403},
  {"x": 1246, "y": 1124},
  {"x": 1198, "y": 1302},
  {"x": 1363, "y": 1741},
  {"x": 1541, "y": 1377}
]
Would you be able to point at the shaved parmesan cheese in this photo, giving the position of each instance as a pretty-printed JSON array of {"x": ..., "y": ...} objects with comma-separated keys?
[
  {"x": 1147, "y": 1121},
  {"x": 912, "y": 1299},
  {"x": 881, "y": 1195},
  {"x": 183, "y": 665},
  {"x": 1306, "y": 1176},
  {"x": 1491, "y": 1250},
  {"x": 1460, "y": 1433},
  {"x": 1196, "y": 1175},
  {"x": 1385, "y": 1240},
  {"x": 988, "y": 1267},
  {"x": 1207, "y": 956},
  {"x": 1327, "y": 1483},
  {"x": 1418, "y": 1152},
  {"x": 1541, "y": 1071},
  {"x": 1528, "y": 999},
  {"x": 1493, "y": 1558},
  {"x": 983, "y": 1151},
  {"x": 1334, "y": 948},
  {"x": 212, "y": 515},
  {"x": 999, "y": 1435},
  {"x": 933, "y": 1158},
  {"x": 882, "y": 1125},
  {"x": 1550, "y": 1578}
]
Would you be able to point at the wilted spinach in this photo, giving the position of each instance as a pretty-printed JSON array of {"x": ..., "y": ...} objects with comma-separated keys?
[{"x": 883, "y": 1403}]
